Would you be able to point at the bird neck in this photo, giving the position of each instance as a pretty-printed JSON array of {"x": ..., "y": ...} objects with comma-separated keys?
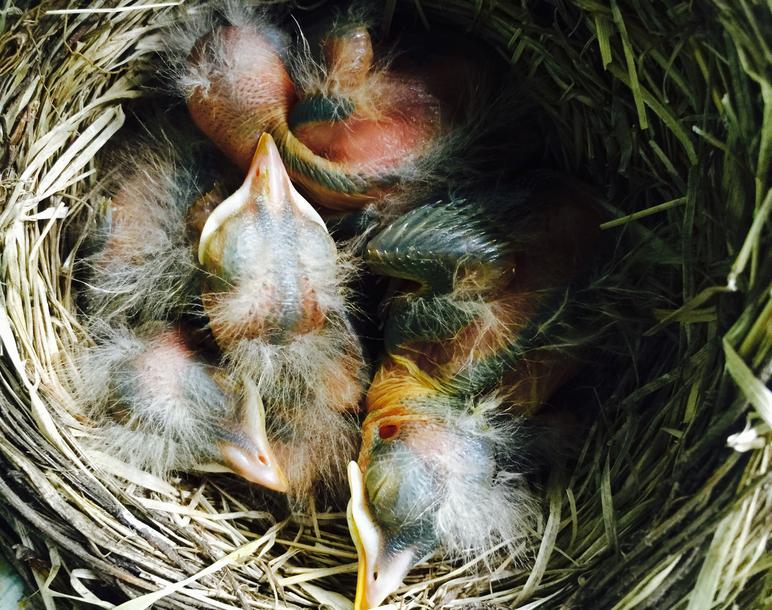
[{"x": 399, "y": 381}]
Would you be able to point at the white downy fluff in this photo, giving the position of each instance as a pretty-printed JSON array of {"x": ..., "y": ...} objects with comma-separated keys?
[
  {"x": 144, "y": 267},
  {"x": 311, "y": 387},
  {"x": 456, "y": 474},
  {"x": 478, "y": 513},
  {"x": 155, "y": 406},
  {"x": 201, "y": 21}
]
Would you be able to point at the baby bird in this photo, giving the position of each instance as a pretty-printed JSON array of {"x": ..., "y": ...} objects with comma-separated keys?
[
  {"x": 261, "y": 265},
  {"x": 482, "y": 336},
  {"x": 349, "y": 132},
  {"x": 156, "y": 404},
  {"x": 143, "y": 267},
  {"x": 163, "y": 408},
  {"x": 273, "y": 294}
]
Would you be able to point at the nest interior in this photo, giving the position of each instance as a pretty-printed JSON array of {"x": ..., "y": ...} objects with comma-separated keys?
[{"x": 665, "y": 106}]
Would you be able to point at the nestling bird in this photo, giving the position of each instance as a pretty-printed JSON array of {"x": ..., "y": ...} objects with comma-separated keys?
[
  {"x": 274, "y": 297},
  {"x": 350, "y": 128},
  {"x": 481, "y": 336},
  {"x": 161, "y": 407},
  {"x": 262, "y": 267},
  {"x": 143, "y": 267},
  {"x": 156, "y": 404}
]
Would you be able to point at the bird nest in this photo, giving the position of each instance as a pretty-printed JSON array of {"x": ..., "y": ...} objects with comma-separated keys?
[{"x": 664, "y": 503}]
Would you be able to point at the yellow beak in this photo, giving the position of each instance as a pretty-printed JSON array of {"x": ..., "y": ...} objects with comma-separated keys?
[
  {"x": 267, "y": 185},
  {"x": 379, "y": 573}
]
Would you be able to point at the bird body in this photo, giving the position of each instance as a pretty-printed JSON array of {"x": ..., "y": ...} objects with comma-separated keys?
[
  {"x": 351, "y": 128},
  {"x": 275, "y": 301},
  {"x": 481, "y": 337},
  {"x": 157, "y": 404},
  {"x": 143, "y": 267},
  {"x": 258, "y": 268},
  {"x": 163, "y": 408}
]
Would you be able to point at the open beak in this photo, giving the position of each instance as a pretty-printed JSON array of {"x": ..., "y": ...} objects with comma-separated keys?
[
  {"x": 254, "y": 460},
  {"x": 378, "y": 573},
  {"x": 268, "y": 186}
]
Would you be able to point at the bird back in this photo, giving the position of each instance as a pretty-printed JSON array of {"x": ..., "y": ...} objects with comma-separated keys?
[{"x": 487, "y": 287}]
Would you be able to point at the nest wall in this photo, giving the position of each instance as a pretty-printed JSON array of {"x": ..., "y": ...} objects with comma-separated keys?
[{"x": 664, "y": 106}]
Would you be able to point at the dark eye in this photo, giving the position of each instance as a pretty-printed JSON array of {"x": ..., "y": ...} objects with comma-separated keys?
[{"x": 388, "y": 431}]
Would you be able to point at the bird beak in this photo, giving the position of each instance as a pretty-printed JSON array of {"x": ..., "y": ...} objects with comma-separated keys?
[
  {"x": 378, "y": 573},
  {"x": 255, "y": 461},
  {"x": 267, "y": 186}
]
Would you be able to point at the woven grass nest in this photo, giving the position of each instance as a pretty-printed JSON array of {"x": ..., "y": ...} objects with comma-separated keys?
[{"x": 666, "y": 107}]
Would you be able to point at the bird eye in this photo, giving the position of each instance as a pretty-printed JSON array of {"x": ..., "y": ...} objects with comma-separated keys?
[{"x": 388, "y": 431}]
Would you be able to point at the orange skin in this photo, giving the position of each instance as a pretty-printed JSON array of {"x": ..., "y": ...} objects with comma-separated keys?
[
  {"x": 408, "y": 122},
  {"x": 396, "y": 116},
  {"x": 226, "y": 110},
  {"x": 398, "y": 113},
  {"x": 173, "y": 352},
  {"x": 129, "y": 225},
  {"x": 312, "y": 317}
]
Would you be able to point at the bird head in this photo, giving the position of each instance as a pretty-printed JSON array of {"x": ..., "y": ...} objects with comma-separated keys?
[
  {"x": 167, "y": 409},
  {"x": 270, "y": 260},
  {"x": 431, "y": 475},
  {"x": 237, "y": 86}
]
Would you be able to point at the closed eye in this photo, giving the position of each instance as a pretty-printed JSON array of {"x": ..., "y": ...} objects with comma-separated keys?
[{"x": 388, "y": 431}]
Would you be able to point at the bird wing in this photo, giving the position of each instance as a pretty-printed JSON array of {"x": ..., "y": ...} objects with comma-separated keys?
[
  {"x": 435, "y": 244},
  {"x": 495, "y": 276}
]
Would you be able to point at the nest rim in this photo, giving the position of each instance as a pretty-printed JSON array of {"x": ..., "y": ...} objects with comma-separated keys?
[{"x": 687, "y": 168}]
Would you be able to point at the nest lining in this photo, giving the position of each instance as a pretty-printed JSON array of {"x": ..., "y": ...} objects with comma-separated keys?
[{"x": 666, "y": 107}]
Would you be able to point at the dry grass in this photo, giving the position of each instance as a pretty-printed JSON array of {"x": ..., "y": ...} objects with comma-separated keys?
[{"x": 666, "y": 105}]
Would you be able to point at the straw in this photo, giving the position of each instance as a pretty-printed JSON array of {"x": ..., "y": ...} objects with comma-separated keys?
[{"x": 665, "y": 107}]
